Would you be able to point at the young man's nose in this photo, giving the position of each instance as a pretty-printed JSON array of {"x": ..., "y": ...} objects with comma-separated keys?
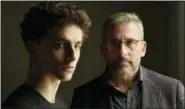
[{"x": 70, "y": 55}]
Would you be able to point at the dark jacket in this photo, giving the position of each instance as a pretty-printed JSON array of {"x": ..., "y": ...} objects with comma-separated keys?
[{"x": 157, "y": 91}]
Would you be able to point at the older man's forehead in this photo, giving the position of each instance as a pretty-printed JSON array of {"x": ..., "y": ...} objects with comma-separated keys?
[{"x": 122, "y": 31}]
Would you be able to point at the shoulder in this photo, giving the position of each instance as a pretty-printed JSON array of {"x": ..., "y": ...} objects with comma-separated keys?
[
  {"x": 160, "y": 80},
  {"x": 93, "y": 84},
  {"x": 23, "y": 97},
  {"x": 14, "y": 99}
]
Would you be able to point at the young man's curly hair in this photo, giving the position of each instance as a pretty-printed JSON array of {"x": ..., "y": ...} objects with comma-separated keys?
[{"x": 49, "y": 14}]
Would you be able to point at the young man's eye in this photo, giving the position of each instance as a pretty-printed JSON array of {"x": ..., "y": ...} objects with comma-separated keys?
[
  {"x": 60, "y": 44},
  {"x": 78, "y": 46}
]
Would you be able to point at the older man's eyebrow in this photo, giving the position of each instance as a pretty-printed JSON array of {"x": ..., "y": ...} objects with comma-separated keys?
[{"x": 114, "y": 39}]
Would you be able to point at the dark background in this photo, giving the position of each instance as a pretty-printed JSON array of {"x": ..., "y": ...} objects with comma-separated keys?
[{"x": 164, "y": 32}]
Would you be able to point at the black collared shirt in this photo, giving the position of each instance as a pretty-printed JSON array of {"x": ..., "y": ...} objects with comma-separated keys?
[
  {"x": 131, "y": 99},
  {"x": 128, "y": 100}
]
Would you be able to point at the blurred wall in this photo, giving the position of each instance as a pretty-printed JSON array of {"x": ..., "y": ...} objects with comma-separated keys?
[{"x": 158, "y": 19}]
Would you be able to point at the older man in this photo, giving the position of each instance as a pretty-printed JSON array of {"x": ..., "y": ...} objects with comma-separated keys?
[{"x": 125, "y": 83}]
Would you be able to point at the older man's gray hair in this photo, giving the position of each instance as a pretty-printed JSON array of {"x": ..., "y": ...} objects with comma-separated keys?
[{"x": 120, "y": 17}]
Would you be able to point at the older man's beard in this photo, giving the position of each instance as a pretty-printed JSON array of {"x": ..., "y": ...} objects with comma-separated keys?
[{"x": 122, "y": 67}]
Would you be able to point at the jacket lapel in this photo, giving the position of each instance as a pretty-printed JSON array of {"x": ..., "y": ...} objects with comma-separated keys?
[
  {"x": 150, "y": 92},
  {"x": 103, "y": 99}
]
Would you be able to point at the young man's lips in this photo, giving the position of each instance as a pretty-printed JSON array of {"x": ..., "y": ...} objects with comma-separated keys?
[{"x": 67, "y": 67}]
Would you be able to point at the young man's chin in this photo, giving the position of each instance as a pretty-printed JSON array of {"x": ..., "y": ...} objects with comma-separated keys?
[{"x": 67, "y": 76}]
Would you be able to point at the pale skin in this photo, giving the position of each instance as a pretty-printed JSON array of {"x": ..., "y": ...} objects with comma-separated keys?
[
  {"x": 54, "y": 60},
  {"x": 123, "y": 64}
]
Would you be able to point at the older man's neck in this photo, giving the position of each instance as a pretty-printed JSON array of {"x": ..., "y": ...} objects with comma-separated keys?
[{"x": 122, "y": 81}]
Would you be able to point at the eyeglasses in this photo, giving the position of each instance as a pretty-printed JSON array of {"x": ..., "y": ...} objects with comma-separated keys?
[{"x": 114, "y": 44}]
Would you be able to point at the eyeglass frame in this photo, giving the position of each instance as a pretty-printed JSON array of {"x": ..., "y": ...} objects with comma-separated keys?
[{"x": 133, "y": 41}]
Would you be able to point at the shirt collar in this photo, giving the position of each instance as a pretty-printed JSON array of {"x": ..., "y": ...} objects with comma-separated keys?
[{"x": 139, "y": 76}]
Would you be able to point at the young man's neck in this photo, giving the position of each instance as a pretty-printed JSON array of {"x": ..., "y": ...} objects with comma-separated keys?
[
  {"x": 44, "y": 83},
  {"x": 48, "y": 87}
]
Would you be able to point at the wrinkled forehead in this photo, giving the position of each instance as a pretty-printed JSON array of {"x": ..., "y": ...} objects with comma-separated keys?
[{"x": 122, "y": 31}]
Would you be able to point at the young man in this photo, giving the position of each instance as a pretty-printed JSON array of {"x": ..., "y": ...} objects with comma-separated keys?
[
  {"x": 126, "y": 84},
  {"x": 53, "y": 33}
]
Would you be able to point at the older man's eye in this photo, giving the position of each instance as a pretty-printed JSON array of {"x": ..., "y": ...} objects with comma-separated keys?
[
  {"x": 129, "y": 42},
  {"x": 115, "y": 42}
]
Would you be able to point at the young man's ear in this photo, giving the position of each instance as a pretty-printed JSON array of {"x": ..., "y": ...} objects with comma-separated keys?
[{"x": 31, "y": 47}]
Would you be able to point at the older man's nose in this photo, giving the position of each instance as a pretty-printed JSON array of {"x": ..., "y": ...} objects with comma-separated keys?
[{"x": 123, "y": 50}]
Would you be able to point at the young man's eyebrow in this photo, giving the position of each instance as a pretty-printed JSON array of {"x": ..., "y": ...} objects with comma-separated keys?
[
  {"x": 79, "y": 42},
  {"x": 64, "y": 40},
  {"x": 61, "y": 40}
]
